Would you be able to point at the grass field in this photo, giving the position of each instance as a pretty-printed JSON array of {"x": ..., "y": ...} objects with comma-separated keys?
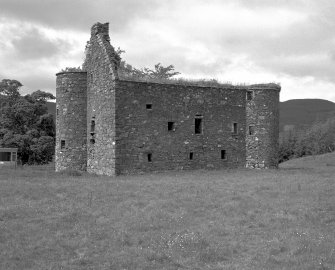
[{"x": 228, "y": 219}]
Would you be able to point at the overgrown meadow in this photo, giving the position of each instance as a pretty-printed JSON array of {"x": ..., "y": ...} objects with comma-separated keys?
[{"x": 227, "y": 219}]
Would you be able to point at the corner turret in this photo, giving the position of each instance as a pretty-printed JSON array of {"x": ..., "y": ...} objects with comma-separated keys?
[
  {"x": 262, "y": 129},
  {"x": 71, "y": 107}
]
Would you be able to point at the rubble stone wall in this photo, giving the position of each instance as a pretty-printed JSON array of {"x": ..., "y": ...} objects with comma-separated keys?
[
  {"x": 110, "y": 126},
  {"x": 263, "y": 113},
  {"x": 71, "y": 152},
  {"x": 143, "y": 110},
  {"x": 100, "y": 63}
]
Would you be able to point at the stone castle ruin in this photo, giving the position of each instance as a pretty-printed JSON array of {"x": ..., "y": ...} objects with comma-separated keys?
[{"x": 108, "y": 125}]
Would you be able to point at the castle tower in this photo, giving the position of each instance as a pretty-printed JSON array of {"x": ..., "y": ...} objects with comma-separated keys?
[
  {"x": 262, "y": 129},
  {"x": 71, "y": 125}
]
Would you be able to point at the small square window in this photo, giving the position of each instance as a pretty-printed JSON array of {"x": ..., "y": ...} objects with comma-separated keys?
[
  {"x": 92, "y": 141},
  {"x": 251, "y": 130},
  {"x": 223, "y": 154},
  {"x": 148, "y": 106},
  {"x": 171, "y": 126},
  {"x": 250, "y": 95},
  {"x": 149, "y": 155},
  {"x": 191, "y": 155},
  {"x": 234, "y": 128},
  {"x": 62, "y": 144}
]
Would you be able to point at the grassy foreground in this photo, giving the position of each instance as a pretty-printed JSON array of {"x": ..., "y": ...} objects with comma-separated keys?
[{"x": 249, "y": 219}]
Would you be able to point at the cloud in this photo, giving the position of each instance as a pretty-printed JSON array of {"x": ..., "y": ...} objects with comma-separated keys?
[
  {"x": 232, "y": 40},
  {"x": 34, "y": 45},
  {"x": 78, "y": 14},
  {"x": 33, "y": 54}
]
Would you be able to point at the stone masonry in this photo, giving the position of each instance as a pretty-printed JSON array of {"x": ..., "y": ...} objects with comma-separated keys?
[{"x": 107, "y": 125}]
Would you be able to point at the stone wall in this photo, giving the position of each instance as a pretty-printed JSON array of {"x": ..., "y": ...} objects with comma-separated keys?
[
  {"x": 71, "y": 152},
  {"x": 144, "y": 109},
  {"x": 110, "y": 126},
  {"x": 100, "y": 63},
  {"x": 263, "y": 114}
]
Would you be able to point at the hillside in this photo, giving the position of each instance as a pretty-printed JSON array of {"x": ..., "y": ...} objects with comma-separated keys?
[
  {"x": 310, "y": 162},
  {"x": 52, "y": 109},
  {"x": 304, "y": 112}
]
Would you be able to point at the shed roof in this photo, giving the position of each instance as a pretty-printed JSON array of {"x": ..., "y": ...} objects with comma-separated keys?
[{"x": 8, "y": 149}]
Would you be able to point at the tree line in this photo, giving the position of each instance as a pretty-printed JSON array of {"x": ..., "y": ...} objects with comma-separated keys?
[
  {"x": 26, "y": 124},
  {"x": 318, "y": 139}
]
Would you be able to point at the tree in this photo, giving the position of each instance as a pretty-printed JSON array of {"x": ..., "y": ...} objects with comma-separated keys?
[
  {"x": 161, "y": 72},
  {"x": 158, "y": 73},
  {"x": 317, "y": 139},
  {"x": 9, "y": 89},
  {"x": 40, "y": 96},
  {"x": 26, "y": 124}
]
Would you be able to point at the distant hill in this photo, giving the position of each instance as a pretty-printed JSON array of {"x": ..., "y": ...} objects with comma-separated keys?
[
  {"x": 293, "y": 113},
  {"x": 52, "y": 109},
  {"x": 304, "y": 112}
]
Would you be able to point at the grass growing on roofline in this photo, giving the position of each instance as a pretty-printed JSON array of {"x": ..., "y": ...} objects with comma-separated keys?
[
  {"x": 196, "y": 82},
  {"x": 181, "y": 81},
  {"x": 226, "y": 219}
]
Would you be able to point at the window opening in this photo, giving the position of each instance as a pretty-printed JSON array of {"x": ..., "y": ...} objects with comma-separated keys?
[
  {"x": 171, "y": 126},
  {"x": 198, "y": 124},
  {"x": 62, "y": 144},
  {"x": 149, "y": 157},
  {"x": 250, "y": 95},
  {"x": 223, "y": 154},
  {"x": 148, "y": 106},
  {"x": 13, "y": 156},
  {"x": 191, "y": 155},
  {"x": 92, "y": 126},
  {"x": 92, "y": 141},
  {"x": 5, "y": 156},
  {"x": 57, "y": 112},
  {"x": 234, "y": 128},
  {"x": 251, "y": 130}
]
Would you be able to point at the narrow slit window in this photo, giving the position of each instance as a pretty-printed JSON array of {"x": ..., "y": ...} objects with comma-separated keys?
[
  {"x": 234, "y": 128},
  {"x": 250, "y": 95},
  {"x": 148, "y": 106},
  {"x": 251, "y": 130},
  {"x": 223, "y": 154},
  {"x": 57, "y": 112},
  {"x": 171, "y": 126},
  {"x": 62, "y": 144},
  {"x": 191, "y": 155},
  {"x": 92, "y": 126},
  {"x": 198, "y": 125},
  {"x": 149, "y": 157}
]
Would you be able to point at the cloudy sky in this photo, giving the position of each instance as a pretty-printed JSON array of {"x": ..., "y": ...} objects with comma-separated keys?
[{"x": 291, "y": 42}]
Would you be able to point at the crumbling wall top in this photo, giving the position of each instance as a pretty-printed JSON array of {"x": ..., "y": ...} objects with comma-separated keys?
[{"x": 100, "y": 28}]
